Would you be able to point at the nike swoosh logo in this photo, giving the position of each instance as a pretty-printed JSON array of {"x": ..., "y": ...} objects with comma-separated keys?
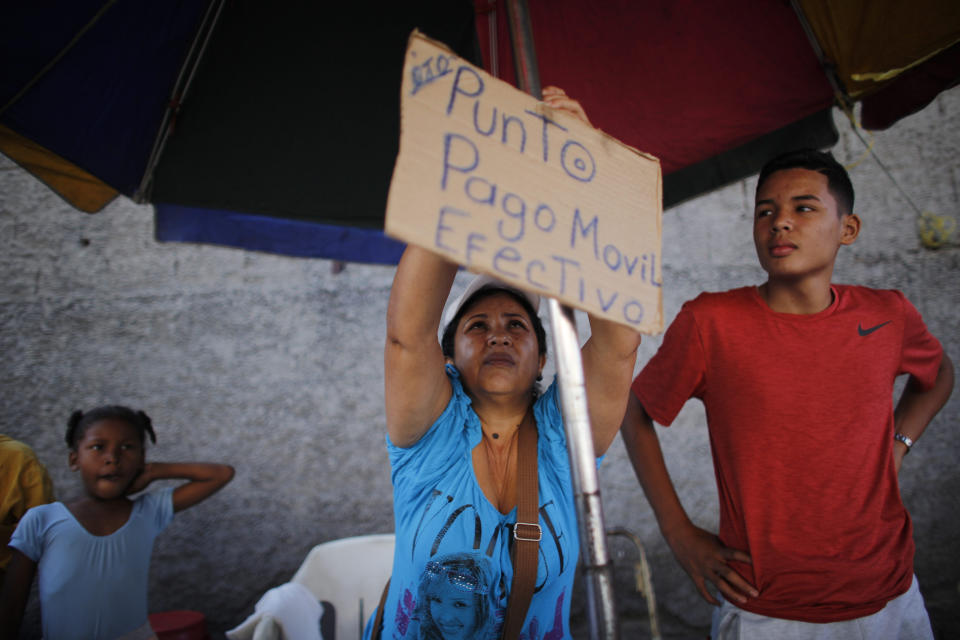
[{"x": 866, "y": 332}]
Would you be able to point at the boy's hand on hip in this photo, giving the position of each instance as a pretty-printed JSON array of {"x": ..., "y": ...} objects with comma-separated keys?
[{"x": 705, "y": 558}]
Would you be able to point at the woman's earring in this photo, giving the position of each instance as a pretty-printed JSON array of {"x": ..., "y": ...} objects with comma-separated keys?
[{"x": 539, "y": 376}]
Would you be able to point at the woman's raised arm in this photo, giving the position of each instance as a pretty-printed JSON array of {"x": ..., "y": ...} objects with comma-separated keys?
[
  {"x": 611, "y": 352},
  {"x": 416, "y": 388},
  {"x": 608, "y": 360}
]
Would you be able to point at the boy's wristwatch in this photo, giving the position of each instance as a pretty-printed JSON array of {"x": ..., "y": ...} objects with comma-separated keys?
[{"x": 899, "y": 437}]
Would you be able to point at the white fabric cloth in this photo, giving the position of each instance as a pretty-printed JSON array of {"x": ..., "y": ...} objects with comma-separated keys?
[
  {"x": 293, "y": 606},
  {"x": 904, "y": 618}
]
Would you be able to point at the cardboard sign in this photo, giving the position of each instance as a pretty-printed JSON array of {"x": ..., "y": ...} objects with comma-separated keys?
[{"x": 493, "y": 179}]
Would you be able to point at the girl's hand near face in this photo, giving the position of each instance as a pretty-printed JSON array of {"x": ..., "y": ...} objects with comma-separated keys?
[{"x": 142, "y": 481}]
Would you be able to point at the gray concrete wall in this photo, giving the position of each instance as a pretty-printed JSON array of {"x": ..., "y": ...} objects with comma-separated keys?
[{"x": 274, "y": 365}]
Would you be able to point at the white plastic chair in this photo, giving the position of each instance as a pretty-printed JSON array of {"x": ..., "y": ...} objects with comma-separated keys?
[{"x": 349, "y": 574}]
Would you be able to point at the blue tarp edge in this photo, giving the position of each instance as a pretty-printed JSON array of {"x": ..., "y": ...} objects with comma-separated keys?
[{"x": 176, "y": 223}]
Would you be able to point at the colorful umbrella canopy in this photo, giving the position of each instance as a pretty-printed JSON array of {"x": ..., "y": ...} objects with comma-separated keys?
[{"x": 274, "y": 126}]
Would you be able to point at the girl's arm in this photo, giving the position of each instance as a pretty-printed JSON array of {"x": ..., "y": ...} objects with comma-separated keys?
[
  {"x": 416, "y": 389},
  {"x": 205, "y": 479},
  {"x": 15, "y": 594}
]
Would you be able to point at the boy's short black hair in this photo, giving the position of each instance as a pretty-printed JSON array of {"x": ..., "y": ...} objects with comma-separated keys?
[
  {"x": 79, "y": 421},
  {"x": 838, "y": 181}
]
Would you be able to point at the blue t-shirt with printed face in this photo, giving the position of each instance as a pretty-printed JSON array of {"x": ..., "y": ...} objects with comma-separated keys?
[{"x": 452, "y": 569}]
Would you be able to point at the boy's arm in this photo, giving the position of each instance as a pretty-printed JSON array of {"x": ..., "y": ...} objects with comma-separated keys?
[
  {"x": 15, "y": 594},
  {"x": 917, "y": 408},
  {"x": 205, "y": 479},
  {"x": 698, "y": 551}
]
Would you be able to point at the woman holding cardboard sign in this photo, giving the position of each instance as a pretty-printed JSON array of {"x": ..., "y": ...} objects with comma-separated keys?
[{"x": 479, "y": 462}]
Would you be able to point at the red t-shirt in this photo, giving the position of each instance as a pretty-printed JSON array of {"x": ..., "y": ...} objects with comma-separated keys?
[{"x": 800, "y": 414}]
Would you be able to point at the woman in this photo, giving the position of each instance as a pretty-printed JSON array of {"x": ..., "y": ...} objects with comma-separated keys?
[{"x": 453, "y": 414}]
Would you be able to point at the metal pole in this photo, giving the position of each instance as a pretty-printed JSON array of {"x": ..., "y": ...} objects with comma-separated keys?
[
  {"x": 524, "y": 53},
  {"x": 598, "y": 572},
  {"x": 601, "y": 609}
]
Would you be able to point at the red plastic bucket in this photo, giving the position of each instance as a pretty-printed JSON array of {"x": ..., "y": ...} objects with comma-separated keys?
[{"x": 179, "y": 625}]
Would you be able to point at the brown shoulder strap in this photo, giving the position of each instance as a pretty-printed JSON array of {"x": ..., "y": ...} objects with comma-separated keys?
[
  {"x": 378, "y": 620},
  {"x": 526, "y": 531}
]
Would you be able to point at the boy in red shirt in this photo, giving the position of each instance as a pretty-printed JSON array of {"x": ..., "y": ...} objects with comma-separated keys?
[{"x": 796, "y": 376}]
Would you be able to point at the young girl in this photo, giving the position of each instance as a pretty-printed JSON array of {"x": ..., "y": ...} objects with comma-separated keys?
[{"x": 93, "y": 554}]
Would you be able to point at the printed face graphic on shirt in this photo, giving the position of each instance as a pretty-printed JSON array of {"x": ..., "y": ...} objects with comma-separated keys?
[
  {"x": 454, "y": 597},
  {"x": 454, "y": 615}
]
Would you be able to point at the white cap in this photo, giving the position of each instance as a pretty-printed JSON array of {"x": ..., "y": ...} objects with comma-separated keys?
[{"x": 484, "y": 281}]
